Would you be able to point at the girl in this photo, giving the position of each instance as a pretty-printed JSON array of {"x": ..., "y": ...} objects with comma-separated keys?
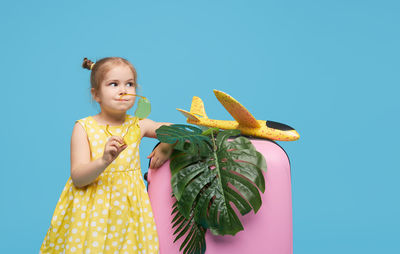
[{"x": 104, "y": 207}]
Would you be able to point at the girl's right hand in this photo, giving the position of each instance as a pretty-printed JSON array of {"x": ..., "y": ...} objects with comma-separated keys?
[{"x": 114, "y": 146}]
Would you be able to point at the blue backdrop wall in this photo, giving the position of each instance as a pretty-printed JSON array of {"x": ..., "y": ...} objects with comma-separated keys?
[{"x": 328, "y": 68}]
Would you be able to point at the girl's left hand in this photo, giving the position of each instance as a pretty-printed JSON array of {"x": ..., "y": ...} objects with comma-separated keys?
[{"x": 160, "y": 155}]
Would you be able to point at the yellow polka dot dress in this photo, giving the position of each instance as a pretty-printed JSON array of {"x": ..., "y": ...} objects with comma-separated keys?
[{"x": 112, "y": 214}]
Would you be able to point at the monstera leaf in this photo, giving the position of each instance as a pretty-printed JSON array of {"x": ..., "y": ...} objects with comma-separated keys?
[
  {"x": 230, "y": 174},
  {"x": 208, "y": 175},
  {"x": 186, "y": 137}
]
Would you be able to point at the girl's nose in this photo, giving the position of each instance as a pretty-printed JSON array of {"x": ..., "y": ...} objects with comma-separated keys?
[{"x": 123, "y": 90}]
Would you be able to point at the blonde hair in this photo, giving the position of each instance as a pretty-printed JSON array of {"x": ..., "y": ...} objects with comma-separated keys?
[{"x": 102, "y": 66}]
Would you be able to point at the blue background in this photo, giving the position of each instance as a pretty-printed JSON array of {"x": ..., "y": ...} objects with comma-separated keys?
[{"x": 330, "y": 69}]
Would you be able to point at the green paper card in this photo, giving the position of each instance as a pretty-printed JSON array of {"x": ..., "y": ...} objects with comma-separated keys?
[{"x": 143, "y": 108}]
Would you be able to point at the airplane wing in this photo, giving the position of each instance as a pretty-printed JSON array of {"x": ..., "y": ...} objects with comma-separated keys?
[{"x": 237, "y": 111}]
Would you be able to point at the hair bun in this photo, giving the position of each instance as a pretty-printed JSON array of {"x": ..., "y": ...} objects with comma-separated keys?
[{"x": 87, "y": 64}]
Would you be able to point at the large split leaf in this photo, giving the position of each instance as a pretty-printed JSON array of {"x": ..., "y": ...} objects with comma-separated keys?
[
  {"x": 187, "y": 138},
  {"x": 231, "y": 173}
]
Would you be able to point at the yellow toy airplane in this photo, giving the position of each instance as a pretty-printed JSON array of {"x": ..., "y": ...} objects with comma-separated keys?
[{"x": 245, "y": 122}]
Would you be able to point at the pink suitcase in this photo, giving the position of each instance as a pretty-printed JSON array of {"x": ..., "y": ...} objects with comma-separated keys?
[{"x": 268, "y": 231}]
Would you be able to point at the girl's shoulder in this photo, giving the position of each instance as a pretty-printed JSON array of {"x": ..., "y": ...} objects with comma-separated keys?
[
  {"x": 145, "y": 123},
  {"x": 87, "y": 122}
]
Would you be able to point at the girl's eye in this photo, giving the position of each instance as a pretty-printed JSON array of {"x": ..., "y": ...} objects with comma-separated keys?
[
  {"x": 113, "y": 84},
  {"x": 129, "y": 84}
]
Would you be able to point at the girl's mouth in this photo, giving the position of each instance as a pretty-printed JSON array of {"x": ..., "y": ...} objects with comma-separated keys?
[{"x": 121, "y": 99}]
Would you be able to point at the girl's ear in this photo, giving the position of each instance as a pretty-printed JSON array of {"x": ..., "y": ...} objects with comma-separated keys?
[{"x": 95, "y": 95}]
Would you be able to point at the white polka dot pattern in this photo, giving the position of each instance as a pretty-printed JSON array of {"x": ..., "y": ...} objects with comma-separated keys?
[{"x": 111, "y": 215}]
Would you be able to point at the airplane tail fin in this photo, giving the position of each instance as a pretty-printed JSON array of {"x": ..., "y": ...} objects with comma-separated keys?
[
  {"x": 196, "y": 110},
  {"x": 197, "y": 107}
]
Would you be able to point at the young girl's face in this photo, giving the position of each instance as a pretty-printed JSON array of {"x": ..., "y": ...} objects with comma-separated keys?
[{"x": 118, "y": 80}]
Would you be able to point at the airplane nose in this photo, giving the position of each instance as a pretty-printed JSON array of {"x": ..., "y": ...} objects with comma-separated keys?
[{"x": 295, "y": 135}]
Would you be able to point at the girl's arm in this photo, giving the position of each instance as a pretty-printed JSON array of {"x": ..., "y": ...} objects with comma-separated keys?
[
  {"x": 163, "y": 151},
  {"x": 148, "y": 127},
  {"x": 84, "y": 171}
]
